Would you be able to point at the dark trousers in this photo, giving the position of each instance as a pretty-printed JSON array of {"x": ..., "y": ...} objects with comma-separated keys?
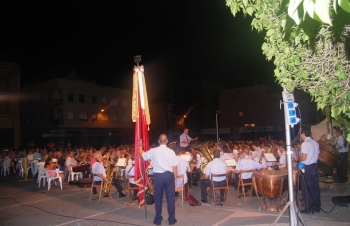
[
  {"x": 342, "y": 170},
  {"x": 164, "y": 181},
  {"x": 205, "y": 183},
  {"x": 195, "y": 175},
  {"x": 310, "y": 188}
]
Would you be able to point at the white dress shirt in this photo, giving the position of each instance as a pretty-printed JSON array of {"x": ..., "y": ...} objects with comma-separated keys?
[
  {"x": 97, "y": 168},
  {"x": 216, "y": 167},
  {"x": 184, "y": 137},
  {"x": 182, "y": 169},
  {"x": 162, "y": 158},
  {"x": 311, "y": 148},
  {"x": 71, "y": 161},
  {"x": 247, "y": 163}
]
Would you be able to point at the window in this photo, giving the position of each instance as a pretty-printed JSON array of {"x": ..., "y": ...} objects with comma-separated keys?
[
  {"x": 240, "y": 113},
  {"x": 104, "y": 117},
  {"x": 70, "y": 97},
  {"x": 104, "y": 100},
  {"x": 83, "y": 116},
  {"x": 94, "y": 99},
  {"x": 70, "y": 116},
  {"x": 81, "y": 98}
]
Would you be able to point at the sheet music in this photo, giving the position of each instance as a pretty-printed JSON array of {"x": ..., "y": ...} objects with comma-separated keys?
[
  {"x": 186, "y": 157},
  {"x": 121, "y": 162},
  {"x": 230, "y": 162},
  {"x": 269, "y": 157}
]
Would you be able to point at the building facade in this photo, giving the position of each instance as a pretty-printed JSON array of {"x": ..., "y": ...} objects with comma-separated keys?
[
  {"x": 9, "y": 105},
  {"x": 77, "y": 113},
  {"x": 255, "y": 111}
]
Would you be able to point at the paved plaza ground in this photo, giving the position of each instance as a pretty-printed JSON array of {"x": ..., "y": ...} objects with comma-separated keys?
[{"x": 23, "y": 203}]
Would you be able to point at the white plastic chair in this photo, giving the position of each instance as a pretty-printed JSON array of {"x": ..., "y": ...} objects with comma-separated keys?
[
  {"x": 5, "y": 169},
  {"x": 55, "y": 177},
  {"x": 41, "y": 175},
  {"x": 71, "y": 175},
  {"x": 21, "y": 171}
]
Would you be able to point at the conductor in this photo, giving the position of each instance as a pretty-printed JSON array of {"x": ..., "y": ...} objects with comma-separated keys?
[{"x": 164, "y": 164}]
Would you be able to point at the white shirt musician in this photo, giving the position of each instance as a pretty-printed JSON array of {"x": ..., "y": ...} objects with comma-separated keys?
[{"x": 185, "y": 139}]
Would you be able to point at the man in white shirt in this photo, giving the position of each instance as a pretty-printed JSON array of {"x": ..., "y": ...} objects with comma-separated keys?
[
  {"x": 185, "y": 139},
  {"x": 256, "y": 151},
  {"x": 310, "y": 188},
  {"x": 283, "y": 158},
  {"x": 182, "y": 169},
  {"x": 164, "y": 164},
  {"x": 245, "y": 163},
  {"x": 214, "y": 167},
  {"x": 77, "y": 167},
  {"x": 130, "y": 172},
  {"x": 341, "y": 145}
]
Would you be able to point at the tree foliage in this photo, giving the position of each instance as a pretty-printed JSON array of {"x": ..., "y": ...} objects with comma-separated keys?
[{"x": 311, "y": 55}]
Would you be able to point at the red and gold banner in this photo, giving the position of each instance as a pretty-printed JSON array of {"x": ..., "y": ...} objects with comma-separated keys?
[{"x": 140, "y": 115}]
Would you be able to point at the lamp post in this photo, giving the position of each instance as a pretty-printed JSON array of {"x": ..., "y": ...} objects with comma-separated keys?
[{"x": 217, "y": 126}]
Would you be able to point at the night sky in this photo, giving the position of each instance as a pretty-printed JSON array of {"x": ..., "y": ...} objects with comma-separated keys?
[{"x": 179, "y": 41}]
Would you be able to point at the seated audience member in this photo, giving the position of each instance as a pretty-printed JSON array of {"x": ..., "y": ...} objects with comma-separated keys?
[
  {"x": 182, "y": 169},
  {"x": 37, "y": 154},
  {"x": 130, "y": 171},
  {"x": 214, "y": 167},
  {"x": 61, "y": 161},
  {"x": 245, "y": 163},
  {"x": 51, "y": 167},
  {"x": 77, "y": 167}
]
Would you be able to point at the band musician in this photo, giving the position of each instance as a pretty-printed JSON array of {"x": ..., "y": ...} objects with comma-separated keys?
[
  {"x": 214, "y": 167},
  {"x": 245, "y": 163}
]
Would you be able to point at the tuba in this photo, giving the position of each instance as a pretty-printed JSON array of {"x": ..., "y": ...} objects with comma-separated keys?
[{"x": 203, "y": 151}]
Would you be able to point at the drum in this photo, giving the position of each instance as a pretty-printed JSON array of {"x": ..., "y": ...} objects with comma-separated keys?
[
  {"x": 271, "y": 184},
  {"x": 328, "y": 158}
]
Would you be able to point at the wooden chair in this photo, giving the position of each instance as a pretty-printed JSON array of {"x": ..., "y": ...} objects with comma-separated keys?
[
  {"x": 242, "y": 186},
  {"x": 100, "y": 187},
  {"x": 214, "y": 188},
  {"x": 181, "y": 190},
  {"x": 131, "y": 191}
]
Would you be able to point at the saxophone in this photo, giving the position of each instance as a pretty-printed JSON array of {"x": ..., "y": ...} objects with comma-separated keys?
[{"x": 109, "y": 175}]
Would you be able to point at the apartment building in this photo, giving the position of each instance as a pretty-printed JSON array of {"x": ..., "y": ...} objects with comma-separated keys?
[
  {"x": 76, "y": 112},
  {"x": 9, "y": 105}
]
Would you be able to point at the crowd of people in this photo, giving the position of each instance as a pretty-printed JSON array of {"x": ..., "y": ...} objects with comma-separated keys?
[{"x": 168, "y": 163}]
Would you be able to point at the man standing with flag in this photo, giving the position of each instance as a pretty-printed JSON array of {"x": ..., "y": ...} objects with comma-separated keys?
[{"x": 164, "y": 164}]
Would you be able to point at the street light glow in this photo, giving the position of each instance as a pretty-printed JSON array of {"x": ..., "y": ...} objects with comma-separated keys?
[{"x": 102, "y": 110}]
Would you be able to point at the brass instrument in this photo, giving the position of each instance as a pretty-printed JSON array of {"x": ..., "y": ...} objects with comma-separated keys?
[
  {"x": 109, "y": 175},
  {"x": 150, "y": 186},
  {"x": 203, "y": 151}
]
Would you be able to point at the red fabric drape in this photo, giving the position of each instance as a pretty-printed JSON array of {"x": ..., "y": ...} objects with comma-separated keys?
[{"x": 141, "y": 132}]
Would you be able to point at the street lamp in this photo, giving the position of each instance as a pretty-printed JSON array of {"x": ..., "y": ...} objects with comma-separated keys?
[{"x": 217, "y": 126}]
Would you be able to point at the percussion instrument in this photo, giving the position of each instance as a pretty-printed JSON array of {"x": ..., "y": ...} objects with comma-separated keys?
[
  {"x": 328, "y": 158},
  {"x": 271, "y": 184}
]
